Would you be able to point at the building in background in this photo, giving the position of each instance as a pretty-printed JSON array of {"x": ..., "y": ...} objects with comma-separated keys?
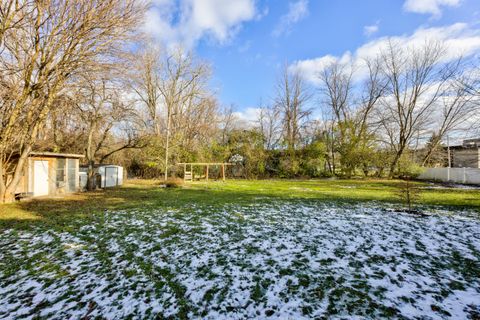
[{"x": 466, "y": 155}]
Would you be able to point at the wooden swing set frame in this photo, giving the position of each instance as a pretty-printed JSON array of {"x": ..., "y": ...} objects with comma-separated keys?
[{"x": 189, "y": 175}]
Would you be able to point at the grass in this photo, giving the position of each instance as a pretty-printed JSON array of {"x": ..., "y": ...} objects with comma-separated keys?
[
  {"x": 242, "y": 249},
  {"x": 285, "y": 259},
  {"x": 73, "y": 209}
]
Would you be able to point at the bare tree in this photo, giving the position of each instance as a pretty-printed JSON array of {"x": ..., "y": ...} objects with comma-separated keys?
[
  {"x": 336, "y": 87},
  {"x": 456, "y": 107},
  {"x": 349, "y": 114},
  {"x": 55, "y": 41},
  {"x": 416, "y": 79},
  {"x": 196, "y": 124},
  {"x": 172, "y": 86},
  {"x": 102, "y": 109},
  {"x": 291, "y": 100},
  {"x": 268, "y": 123},
  {"x": 12, "y": 15},
  {"x": 470, "y": 80},
  {"x": 182, "y": 90},
  {"x": 63, "y": 127},
  {"x": 145, "y": 81},
  {"x": 228, "y": 121}
]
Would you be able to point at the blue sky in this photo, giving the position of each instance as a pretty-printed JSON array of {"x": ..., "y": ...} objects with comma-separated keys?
[{"x": 247, "y": 41}]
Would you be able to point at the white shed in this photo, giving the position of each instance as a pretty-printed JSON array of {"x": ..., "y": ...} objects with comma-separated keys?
[{"x": 108, "y": 175}]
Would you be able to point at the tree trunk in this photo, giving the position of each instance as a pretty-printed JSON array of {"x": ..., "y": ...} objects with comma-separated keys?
[
  {"x": 91, "y": 181},
  {"x": 7, "y": 188},
  {"x": 394, "y": 163},
  {"x": 333, "y": 160},
  {"x": 3, "y": 183},
  {"x": 348, "y": 171},
  {"x": 379, "y": 172},
  {"x": 167, "y": 144},
  {"x": 328, "y": 163},
  {"x": 365, "y": 171}
]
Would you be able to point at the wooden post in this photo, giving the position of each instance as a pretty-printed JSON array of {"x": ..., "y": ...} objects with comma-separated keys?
[
  {"x": 184, "y": 172},
  {"x": 207, "y": 172},
  {"x": 223, "y": 171},
  {"x": 191, "y": 170}
]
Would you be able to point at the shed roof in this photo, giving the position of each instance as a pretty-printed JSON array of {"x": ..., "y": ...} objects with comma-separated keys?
[
  {"x": 55, "y": 155},
  {"x": 96, "y": 165},
  {"x": 206, "y": 163}
]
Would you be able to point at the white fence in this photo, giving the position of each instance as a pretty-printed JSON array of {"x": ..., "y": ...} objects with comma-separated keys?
[{"x": 457, "y": 175}]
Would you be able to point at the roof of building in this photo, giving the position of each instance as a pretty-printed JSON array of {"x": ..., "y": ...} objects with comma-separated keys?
[
  {"x": 464, "y": 147},
  {"x": 467, "y": 144},
  {"x": 54, "y": 154}
]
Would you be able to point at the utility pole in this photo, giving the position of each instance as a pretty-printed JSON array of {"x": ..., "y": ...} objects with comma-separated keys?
[
  {"x": 448, "y": 152},
  {"x": 449, "y": 160},
  {"x": 167, "y": 143}
]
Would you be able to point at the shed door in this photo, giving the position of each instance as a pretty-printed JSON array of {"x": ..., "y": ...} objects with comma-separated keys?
[
  {"x": 72, "y": 175},
  {"x": 40, "y": 179},
  {"x": 111, "y": 174}
]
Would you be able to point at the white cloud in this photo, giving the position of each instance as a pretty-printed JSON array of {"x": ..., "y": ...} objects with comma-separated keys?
[
  {"x": 296, "y": 11},
  {"x": 371, "y": 30},
  {"x": 248, "y": 116},
  {"x": 310, "y": 68},
  {"x": 432, "y": 7},
  {"x": 187, "y": 21},
  {"x": 459, "y": 40}
]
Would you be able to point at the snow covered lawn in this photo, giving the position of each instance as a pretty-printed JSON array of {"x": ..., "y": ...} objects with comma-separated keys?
[{"x": 291, "y": 259}]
